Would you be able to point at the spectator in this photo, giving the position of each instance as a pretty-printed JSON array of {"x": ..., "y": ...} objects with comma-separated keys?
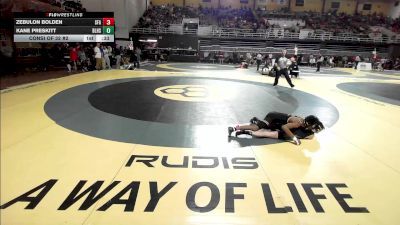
[
  {"x": 259, "y": 57},
  {"x": 118, "y": 57},
  {"x": 106, "y": 58},
  {"x": 320, "y": 60},
  {"x": 357, "y": 60},
  {"x": 138, "y": 54},
  {"x": 396, "y": 65},
  {"x": 330, "y": 61},
  {"x": 312, "y": 61},
  {"x": 98, "y": 57},
  {"x": 73, "y": 56},
  {"x": 82, "y": 59}
]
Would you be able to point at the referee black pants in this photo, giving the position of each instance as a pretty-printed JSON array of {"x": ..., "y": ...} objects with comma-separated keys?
[
  {"x": 285, "y": 73},
  {"x": 318, "y": 66}
]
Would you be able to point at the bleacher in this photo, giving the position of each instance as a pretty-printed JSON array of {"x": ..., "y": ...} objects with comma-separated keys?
[
  {"x": 268, "y": 25},
  {"x": 272, "y": 32},
  {"x": 276, "y": 47},
  {"x": 356, "y": 48},
  {"x": 303, "y": 46}
]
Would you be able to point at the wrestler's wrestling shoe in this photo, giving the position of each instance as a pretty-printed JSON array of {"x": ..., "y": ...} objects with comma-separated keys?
[
  {"x": 254, "y": 120},
  {"x": 230, "y": 131}
]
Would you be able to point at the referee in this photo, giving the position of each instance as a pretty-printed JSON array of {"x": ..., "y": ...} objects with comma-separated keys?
[{"x": 281, "y": 66}]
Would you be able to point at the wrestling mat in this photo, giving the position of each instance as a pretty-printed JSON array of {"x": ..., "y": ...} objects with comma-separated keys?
[{"x": 150, "y": 146}]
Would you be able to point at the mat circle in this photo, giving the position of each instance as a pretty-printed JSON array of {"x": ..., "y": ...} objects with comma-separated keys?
[
  {"x": 127, "y": 110},
  {"x": 383, "y": 92},
  {"x": 197, "y": 66}
]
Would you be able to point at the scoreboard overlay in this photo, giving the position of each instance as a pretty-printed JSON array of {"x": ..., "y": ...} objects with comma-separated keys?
[{"x": 64, "y": 27}]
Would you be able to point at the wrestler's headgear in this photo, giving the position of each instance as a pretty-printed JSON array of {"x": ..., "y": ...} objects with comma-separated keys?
[{"x": 312, "y": 123}]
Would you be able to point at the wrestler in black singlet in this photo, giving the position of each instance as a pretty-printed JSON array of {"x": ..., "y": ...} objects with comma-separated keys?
[
  {"x": 300, "y": 133},
  {"x": 275, "y": 121}
]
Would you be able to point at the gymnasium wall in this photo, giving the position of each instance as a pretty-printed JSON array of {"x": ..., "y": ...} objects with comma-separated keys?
[
  {"x": 165, "y": 2},
  {"x": 309, "y": 5},
  {"x": 237, "y": 3},
  {"x": 378, "y": 6},
  {"x": 272, "y": 4},
  {"x": 395, "y": 10},
  {"x": 196, "y": 3},
  {"x": 346, "y": 6}
]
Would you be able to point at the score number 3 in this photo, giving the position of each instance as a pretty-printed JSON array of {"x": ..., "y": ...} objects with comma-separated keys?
[{"x": 108, "y": 21}]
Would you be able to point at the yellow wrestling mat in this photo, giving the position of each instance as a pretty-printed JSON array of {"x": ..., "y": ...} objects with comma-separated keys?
[{"x": 348, "y": 174}]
